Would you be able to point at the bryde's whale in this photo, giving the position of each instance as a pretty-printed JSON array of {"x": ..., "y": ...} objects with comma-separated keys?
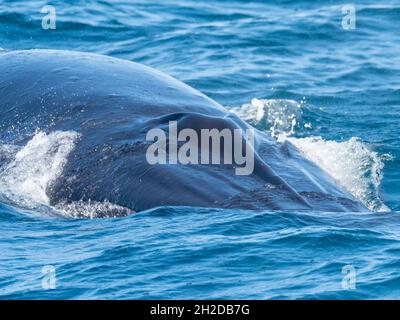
[{"x": 112, "y": 104}]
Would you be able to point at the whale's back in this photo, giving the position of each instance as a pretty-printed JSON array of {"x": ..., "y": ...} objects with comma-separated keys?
[{"x": 111, "y": 105}]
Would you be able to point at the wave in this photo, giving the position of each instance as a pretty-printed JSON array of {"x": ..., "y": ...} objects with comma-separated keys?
[{"x": 353, "y": 164}]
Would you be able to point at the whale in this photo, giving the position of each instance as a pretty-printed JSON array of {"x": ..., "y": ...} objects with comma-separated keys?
[{"x": 111, "y": 104}]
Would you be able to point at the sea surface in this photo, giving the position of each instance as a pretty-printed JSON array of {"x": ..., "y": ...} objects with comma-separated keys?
[{"x": 297, "y": 69}]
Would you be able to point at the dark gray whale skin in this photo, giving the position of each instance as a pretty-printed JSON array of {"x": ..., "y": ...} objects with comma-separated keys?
[{"x": 112, "y": 104}]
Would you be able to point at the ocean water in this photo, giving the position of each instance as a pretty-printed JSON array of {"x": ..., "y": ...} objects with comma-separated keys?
[{"x": 289, "y": 68}]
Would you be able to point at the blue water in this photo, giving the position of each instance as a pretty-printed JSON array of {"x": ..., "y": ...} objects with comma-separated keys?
[{"x": 348, "y": 84}]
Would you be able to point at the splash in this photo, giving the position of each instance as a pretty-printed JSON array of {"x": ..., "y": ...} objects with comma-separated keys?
[
  {"x": 26, "y": 173},
  {"x": 352, "y": 164},
  {"x": 92, "y": 209},
  {"x": 279, "y": 116},
  {"x": 7, "y": 153},
  {"x": 34, "y": 167}
]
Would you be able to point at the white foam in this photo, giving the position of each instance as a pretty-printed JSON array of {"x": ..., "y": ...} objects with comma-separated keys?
[
  {"x": 24, "y": 180},
  {"x": 353, "y": 164},
  {"x": 92, "y": 209},
  {"x": 7, "y": 153},
  {"x": 26, "y": 173}
]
